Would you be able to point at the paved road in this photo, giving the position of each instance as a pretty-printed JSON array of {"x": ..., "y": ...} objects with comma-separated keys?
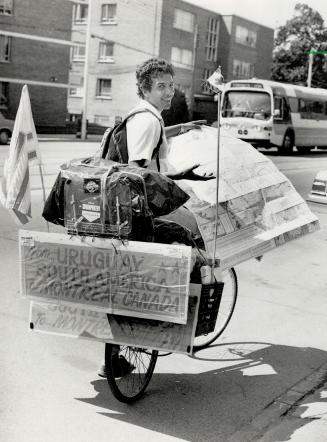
[
  {"x": 300, "y": 169},
  {"x": 277, "y": 339}
]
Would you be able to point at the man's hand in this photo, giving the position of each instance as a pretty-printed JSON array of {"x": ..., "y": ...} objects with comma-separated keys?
[
  {"x": 188, "y": 174},
  {"x": 185, "y": 127}
]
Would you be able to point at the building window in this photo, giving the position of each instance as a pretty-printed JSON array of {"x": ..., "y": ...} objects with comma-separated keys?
[
  {"x": 182, "y": 57},
  {"x": 242, "y": 69},
  {"x": 4, "y": 93},
  {"x": 104, "y": 88},
  {"x": 80, "y": 13},
  {"x": 212, "y": 39},
  {"x": 205, "y": 87},
  {"x": 106, "y": 52},
  {"x": 5, "y": 48},
  {"x": 6, "y": 7},
  {"x": 183, "y": 20},
  {"x": 109, "y": 13},
  {"x": 78, "y": 53},
  {"x": 76, "y": 88},
  {"x": 245, "y": 36},
  {"x": 77, "y": 92}
]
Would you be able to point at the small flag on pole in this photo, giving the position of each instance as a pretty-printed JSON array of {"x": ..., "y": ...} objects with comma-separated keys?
[
  {"x": 15, "y": 191},
  {"x": 216, "y": 81}
]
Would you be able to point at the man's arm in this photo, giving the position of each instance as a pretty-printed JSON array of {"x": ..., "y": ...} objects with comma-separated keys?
[
  {"x": 177, "y": 129},
  {"x": 188, "y": 174}
]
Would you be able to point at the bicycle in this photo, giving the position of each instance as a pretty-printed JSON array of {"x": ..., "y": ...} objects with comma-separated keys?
[{"x": 131, "y": 385}]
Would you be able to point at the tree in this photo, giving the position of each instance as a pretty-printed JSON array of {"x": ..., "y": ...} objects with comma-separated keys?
[
  {"x": 178, "y": 112},
  {"x": 301, "y": 34}
]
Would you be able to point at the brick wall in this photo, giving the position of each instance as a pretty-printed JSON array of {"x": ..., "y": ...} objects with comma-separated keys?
[
  {"x": 39, "y": 61},
  {"x": 260, "y": 55}
]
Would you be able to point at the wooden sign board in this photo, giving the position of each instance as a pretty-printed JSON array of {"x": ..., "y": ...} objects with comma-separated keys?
[
  {"x": 77, "y": 322},
  {"x": 145, "y": 280}
]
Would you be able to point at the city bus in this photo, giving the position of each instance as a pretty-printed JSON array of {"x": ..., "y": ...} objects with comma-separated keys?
[{"x": 267, "y": 114}]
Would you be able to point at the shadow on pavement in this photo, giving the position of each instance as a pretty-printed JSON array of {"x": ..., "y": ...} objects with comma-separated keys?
[
  {"x": 197, "y": 405},
  {"x": 307, "y": 418}
]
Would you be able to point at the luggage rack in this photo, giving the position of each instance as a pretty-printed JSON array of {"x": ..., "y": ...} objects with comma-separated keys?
[{"x": 96, "y": 229}]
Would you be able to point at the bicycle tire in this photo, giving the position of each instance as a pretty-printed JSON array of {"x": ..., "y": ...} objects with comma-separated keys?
[
  {"x": 130, "y": 386},
  {"x": 225, "y": 313}
]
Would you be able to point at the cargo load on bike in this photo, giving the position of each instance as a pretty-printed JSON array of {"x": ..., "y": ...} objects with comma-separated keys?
[{"x": 116, "y": 278}]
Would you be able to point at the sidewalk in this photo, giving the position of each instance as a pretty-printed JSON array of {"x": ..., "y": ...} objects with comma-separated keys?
[
  {"x": 298, "y": 415},
  {"x": 67, "y": 137},
  {"x": 306, "y": 420}
]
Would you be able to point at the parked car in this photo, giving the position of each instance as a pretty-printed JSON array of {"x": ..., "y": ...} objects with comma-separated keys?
[
  {"x": 318, "y": 192},
  {"x": 6, "y": 128}
]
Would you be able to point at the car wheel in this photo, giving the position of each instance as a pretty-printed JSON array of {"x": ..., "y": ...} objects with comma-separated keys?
[{"x": 4, "y": 137}]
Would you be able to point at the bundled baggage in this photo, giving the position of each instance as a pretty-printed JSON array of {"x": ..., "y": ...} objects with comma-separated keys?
[{"x": 98, "y": 197}]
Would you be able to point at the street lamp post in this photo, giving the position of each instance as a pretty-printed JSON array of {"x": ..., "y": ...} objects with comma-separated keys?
[{"x": 86, "y": 66}]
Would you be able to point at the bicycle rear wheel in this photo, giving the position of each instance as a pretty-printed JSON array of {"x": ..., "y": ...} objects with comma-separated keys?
[
  {"x": 129, "y": 370},
  {"x": 226, "y": 309}
]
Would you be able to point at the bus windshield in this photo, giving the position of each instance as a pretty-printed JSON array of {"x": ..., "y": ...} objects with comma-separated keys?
[{"x": 252, "y": 104}]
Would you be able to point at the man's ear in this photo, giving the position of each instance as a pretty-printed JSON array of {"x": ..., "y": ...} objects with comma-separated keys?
[{"x": 145, "y": 93}]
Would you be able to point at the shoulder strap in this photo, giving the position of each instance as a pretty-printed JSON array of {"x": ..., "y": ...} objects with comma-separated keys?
[
  {"x": 156, "y": 149},
  {"x": 139, "y": 111},
  {"x": 116, "y": 153}
]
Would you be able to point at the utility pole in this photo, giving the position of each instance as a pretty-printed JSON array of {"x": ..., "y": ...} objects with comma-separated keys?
[
  {"x": 195, "y": 46},
  {"x": 86, "y": 68},
  {"x": 310, "y": 68},
  {"x": 311, "y": 54}
]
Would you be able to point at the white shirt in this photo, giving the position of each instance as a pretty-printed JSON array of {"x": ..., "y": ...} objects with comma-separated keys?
[{"x": 143, "y": 134}]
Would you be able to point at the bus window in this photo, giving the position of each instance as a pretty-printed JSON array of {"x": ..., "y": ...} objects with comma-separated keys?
[
  {"x": 312, "y": 109},
  {"x": 317, "y": 107},
  {"x": 247, "y": 104},
  {"x": 294, "y": 104},
  {"x": 280, "y": 104}
]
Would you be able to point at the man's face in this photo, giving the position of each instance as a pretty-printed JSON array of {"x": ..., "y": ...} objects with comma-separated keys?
[{"x": 162, "y": 92}]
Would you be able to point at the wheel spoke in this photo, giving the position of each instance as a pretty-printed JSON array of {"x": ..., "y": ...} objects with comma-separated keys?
[{"x": 130, "y": 386}]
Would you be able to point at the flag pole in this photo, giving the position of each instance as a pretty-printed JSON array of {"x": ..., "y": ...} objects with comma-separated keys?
[
  {"x": 43, "y": 191},
  {"x": 217, "y": 185},
  {"x": 215, "y": 82}
]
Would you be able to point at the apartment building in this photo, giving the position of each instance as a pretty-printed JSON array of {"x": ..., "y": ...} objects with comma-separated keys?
[
  {"x": 241, "y": 47},
  {"x": 190, "y": 39},
  {"x": 246, "y": 48},
  {"x": 123, "y": 34},
  {"x": 42, "y": 65},
  {"x": 194, "y": 39}
]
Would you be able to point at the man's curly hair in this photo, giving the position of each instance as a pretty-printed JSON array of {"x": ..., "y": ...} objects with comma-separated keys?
[{"x": 149, "y": 70}]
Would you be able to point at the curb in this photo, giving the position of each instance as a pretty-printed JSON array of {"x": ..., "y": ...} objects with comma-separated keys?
[
  {"x": 281, "y": 406},
  {"x": 66, "y": 139}
]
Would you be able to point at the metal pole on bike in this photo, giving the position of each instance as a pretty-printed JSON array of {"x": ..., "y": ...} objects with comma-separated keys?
[{"x": 215, "y": 81}]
